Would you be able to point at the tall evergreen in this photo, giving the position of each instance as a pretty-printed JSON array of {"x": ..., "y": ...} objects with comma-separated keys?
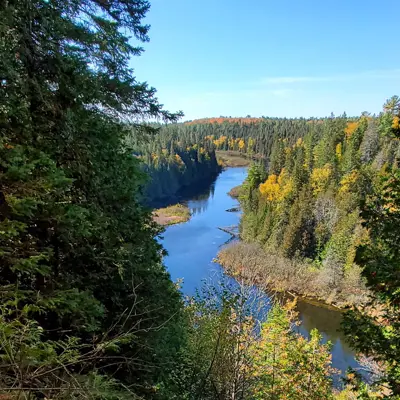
[{"x": 82, "y": 282}]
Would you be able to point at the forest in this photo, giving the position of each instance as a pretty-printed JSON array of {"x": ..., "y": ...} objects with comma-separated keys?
[
  {"x": 302, "y": 199},
  {"x": 88, "y": 310},
  {"x": 172, "y": 164}
]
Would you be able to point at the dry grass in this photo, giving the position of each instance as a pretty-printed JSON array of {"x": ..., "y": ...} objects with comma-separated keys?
[
  {"x": 249, "y": 261},
  {"x": 232, "y": 159},
  {"x": 171, "y": 215},
  {"x": 235, "y": 192}
]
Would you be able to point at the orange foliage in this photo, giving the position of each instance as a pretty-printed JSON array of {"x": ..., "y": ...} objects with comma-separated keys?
[
  {"x": 179, "y": 159},
  {"x": 242, "y": 121}
]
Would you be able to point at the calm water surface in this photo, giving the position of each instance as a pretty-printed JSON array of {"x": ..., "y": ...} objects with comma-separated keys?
[{"x": 193, "y": 245}]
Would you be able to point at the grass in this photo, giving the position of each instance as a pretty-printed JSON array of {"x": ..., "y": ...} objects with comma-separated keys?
[
  {"x": 232, "y": 159},
  {"x": 251, "y": 263},
  {"x": 171, "y": 215},
  {"x": 235, "y": 192}
]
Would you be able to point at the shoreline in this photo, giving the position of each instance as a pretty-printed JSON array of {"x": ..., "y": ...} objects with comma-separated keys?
[
  {"x": 273, "y": 273},
  {"x": 172, "y": 215}
]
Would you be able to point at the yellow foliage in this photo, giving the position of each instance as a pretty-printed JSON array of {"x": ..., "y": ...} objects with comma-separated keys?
[
  {"x": 178, "y": 159},
  {"x": 286, "y": 184},
  {"x": 351, "y": 127},
  {"x": 220, "y": 141},
  {"x": 320, "y": 178},
  {"x": 339, "y": 151},
  {"x": 396, "y": 123},
  {"x": 348, "y": 181},
  {"x": 277, "y": 188},
  {"x": 270, "y": 188},
  {"x": 241, "y": 144},
  {"x": 299, "y": 143}
]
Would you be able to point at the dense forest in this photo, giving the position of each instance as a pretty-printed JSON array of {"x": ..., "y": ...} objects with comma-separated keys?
[
  {"x": 172, "y": 164},
  {"x": 304, "y": 202},
  {"x": 249, "y": 136},
  {"x": 87, "y": 309}
]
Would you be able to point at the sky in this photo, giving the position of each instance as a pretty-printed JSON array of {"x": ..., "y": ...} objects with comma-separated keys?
[{"x": 282, "y": 58}]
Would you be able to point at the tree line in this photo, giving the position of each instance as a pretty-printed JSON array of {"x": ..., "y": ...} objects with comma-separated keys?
[{"x": 172, "y": 164}]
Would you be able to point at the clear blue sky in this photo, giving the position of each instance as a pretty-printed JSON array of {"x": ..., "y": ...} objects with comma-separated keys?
[{"x": 274, "y": 58}]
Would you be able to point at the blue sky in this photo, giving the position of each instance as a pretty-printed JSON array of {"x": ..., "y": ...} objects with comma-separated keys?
[{"x": 274, "y": 58}]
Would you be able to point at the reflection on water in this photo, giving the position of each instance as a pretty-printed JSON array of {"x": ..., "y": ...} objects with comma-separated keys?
[
  {"x": 199, "y": 203},
  {"x": 327, "y": 321},
  {"x": 193, "y": 245}
]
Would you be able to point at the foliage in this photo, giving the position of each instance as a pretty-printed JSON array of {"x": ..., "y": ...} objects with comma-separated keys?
[
  {"x": 230, "y": 356},
  {"x": 308, "y": 205},
  {"x": 172, "y": 164},
  {"x": 287, "y": 365},
  {"x": 378, "y": 333},
  {"x": 320, "y": 178},
  {"x": 250, "y": 262},
  {"x": 79, "y": 262}
]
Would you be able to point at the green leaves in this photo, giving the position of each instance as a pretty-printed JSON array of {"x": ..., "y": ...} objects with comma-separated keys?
[
  {"x": 79, "y": 264},
  {"x": 377, "y": 332}
]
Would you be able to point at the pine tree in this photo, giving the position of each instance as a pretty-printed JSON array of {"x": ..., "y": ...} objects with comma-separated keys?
[
  {"x": 77, "y": 252},
  {"x": 378, "y": 334}
]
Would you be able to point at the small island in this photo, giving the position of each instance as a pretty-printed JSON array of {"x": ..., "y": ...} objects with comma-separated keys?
[{"x": 172, "y": 215}]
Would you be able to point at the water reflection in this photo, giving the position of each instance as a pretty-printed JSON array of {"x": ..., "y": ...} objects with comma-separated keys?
[
  {"x": 327, "y": 321},
  {"x": 198, "y": 204},
  {"x": 192, "y": 246}
]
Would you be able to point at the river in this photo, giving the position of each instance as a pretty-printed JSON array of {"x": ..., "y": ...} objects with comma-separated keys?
[{"x": 193, "y": 245}]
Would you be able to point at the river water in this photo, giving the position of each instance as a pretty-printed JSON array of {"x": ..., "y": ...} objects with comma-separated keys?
[{"x": 193, "y": 245}]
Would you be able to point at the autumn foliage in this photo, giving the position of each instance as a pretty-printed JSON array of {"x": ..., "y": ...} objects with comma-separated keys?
[{"x": 221, "y": 120}]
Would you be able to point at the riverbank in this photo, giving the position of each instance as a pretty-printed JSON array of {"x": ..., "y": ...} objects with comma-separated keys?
[
  {"x": 232, "y": 159},
  {"x": 172, "y": 215},
  {"x": 272, "y": 272},
  {"x": 192, "y": 246},
  {"x": 235, "y": 192}
]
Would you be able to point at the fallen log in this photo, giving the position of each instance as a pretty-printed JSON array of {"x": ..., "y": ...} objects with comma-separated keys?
[{"x": 231, "y": 230}]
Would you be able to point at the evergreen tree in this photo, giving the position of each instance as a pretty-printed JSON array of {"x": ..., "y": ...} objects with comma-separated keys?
[
  {"x": 378, "y": 333},
  {"x": 80, "y": 268}
]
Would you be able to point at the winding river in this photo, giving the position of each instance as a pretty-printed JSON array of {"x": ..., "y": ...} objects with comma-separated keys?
[{"x": 193, "y": 245}]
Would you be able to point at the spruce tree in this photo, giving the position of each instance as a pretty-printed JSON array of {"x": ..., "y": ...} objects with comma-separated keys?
[{"x": 80, "y": 268}]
